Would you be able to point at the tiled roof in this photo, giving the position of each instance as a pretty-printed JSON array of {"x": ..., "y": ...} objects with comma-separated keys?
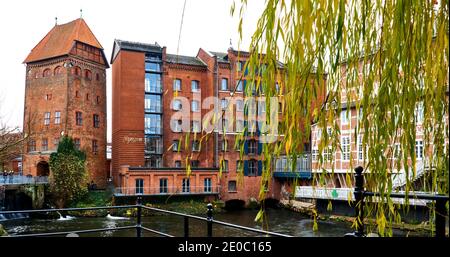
[
  {"x": 59, "y": 41},
  {"x": 182, "y": 59}
]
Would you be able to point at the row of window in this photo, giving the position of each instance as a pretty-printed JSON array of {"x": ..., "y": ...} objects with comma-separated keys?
[
  {"x": 195, "y": 85},
  {"x": 251, "y": 146},
  {"x": 196, "y": 126},
  {"x": 45, "y": 146},
  {"x": 78, "y": 119},
  {"x": 250, "y": 170},
  {"x": 418, "y": 115},
  {"x": 155, "y": 105},
  {"x": 346, "y": 150},
  {"x": 164, "y": 187},
  {"x": 75, "y": 71},
  {"x": 48, "y": 97}
]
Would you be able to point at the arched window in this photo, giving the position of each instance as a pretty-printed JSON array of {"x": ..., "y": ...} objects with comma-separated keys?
[
  {"x": 57, "y": 70},
  {"x": 88, "y": 74},
  {"x": 46, "y": 73},
  {"x": 77, "y": 71}
]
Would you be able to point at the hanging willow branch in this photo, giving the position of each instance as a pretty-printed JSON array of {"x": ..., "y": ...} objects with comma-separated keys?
[{"x": 384, "y": 57}]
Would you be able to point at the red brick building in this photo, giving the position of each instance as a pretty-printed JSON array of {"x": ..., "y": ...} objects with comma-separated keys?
[
  {"x": 157, "y": 98},
  {"x": 65, "y": 94}
]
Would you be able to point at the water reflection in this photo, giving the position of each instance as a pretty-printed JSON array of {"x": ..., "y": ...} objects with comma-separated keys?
[{"x": 278, "y": 220}]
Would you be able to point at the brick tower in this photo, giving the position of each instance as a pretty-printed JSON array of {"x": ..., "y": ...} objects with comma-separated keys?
[{"x": 65, "y": 94}]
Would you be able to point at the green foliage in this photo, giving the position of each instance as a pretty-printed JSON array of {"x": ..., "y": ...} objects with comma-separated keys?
[
  {"x": 385, "y": 57},
  {"x": 68, "y": 175},
  {"x": 3, "y": 231},
  {"x": 93, "y": 199}
]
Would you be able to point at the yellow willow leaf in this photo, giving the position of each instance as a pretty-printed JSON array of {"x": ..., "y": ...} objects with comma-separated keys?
[
  {"x": 259, "y": 216},
  {"x": 288, "y": 145}
]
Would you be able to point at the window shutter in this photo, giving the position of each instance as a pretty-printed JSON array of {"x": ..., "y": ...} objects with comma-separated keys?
[
  {"x": 246, "y": 146},
  {"x": 245, "y": 168},
  {"x": 259, "y": 168},
  {"x": 260, "y": 146},
  {"x": 246, "y": 128}
]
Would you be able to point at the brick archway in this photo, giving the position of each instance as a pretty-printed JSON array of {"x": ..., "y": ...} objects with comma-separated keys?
[{"x": 43, "y": 169}]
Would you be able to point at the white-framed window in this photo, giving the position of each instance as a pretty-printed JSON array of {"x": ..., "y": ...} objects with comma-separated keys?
[
  {"x": 397, "y": 151},
  {"x": 177, "y": 85},
  {"x": 239, "y": 105},
  {"x": 252, "y": 167},
  {"x": 139, "y": 186},
  {"x": 196, "y": 126},
  {"x": 224, "y": 165},
  {"x": 224, "y": 103},
  {"x": 239, "y": 125},
  {"x": 419, "y": 149},
  {"x": 252, "y": 147},
  {"x": 195, "y": 106},
  {"x": 345, "y": 144},
  {"x": 44, "y": 146},
  {"x": 195, "y": 146},
  {"x": 176, "y": 104},
  {"x": 207, "y": 185},
  {"x": 418, "y": 113},
  {"x": 57, "y": 117},
  {"x": 177, "y": 125},
  {"x": 186, "y": 185},
  {"x": 319, "y": 134},
  {"x": 224, "y": 144},
  {"x": 239, "y": 85},
  {"x": 195, "y": 86},
  {"x": 239, "y": 66},
  {"x": 329, "y": 131},
  {"x": 261, "y": 107},
  {"x": 163, "y": 188},
  {"x": 175, "y": 145},
  {"x": 344, "y": 117},
  {"x": 232, "y": 186},
  {"x": 224, "y": 84},
  {"x": 47, "y": 118},
  {"x": 360, "y": 113},
  {"x": 315, "y": 154},
  {"x": 360, "y": 148}
]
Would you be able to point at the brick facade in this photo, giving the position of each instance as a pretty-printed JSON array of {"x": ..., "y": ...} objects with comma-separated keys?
[
  {"x": 205, "y": 71},
  {"x": 56, "y": 89}
]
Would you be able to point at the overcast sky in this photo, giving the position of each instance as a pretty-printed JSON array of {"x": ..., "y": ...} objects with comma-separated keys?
[{"x": 207, "y": 24}]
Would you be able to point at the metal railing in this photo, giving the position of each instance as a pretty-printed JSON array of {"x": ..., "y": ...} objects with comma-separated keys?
[
  {"x": 303, "y": 164},
  {"x": 209, "y": 220},
  {"x": 347, "y": 193},
  {"x": 360, "y": 193},
  {"x": 172, "y": 190},
  {"x": 20, "y": 180}
]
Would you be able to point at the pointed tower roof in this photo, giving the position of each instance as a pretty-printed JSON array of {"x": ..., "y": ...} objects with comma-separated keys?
[{"x": 59, "y": 41}]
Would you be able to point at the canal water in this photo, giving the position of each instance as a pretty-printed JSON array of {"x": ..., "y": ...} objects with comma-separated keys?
[{"x": 278, "y": 220}]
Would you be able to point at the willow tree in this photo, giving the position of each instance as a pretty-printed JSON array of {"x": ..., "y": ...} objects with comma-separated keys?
[{"x": 396, "y": 56}]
